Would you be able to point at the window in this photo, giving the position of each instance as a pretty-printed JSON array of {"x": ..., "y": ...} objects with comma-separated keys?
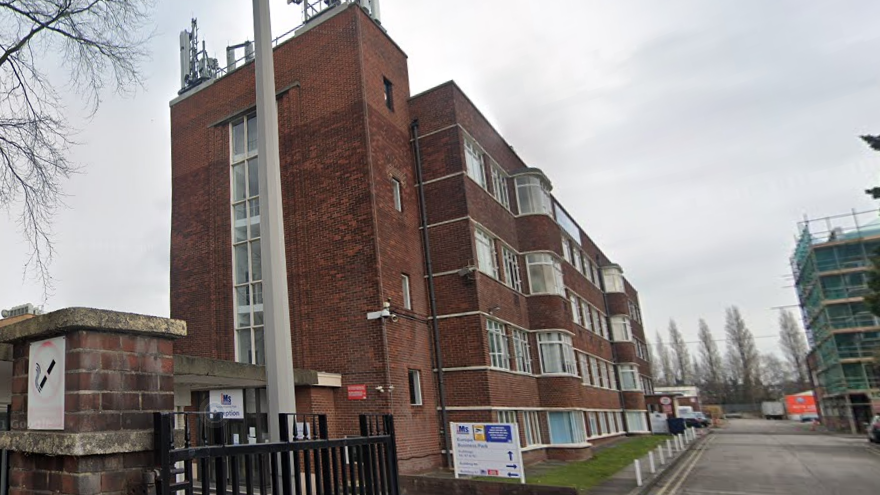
[
  {"x": 532, "y": 428},
  {"x": 585, "y": 372},
  {"x": 603, "y": 375},
  {"x": 611, "y": 376},
  {"x": 603, "y": 326},
  {"x": 575, "y": 308},
  {"x": 567, "y": 427},
  {"x": 511, "y": 269},
  {"x": 389, "y": 94},
  {"x": 499, "y": 186},
  {"x": 247, "y": 272},
  {"x": 407, "y": 295},
  {"x": 486, "y": 253},
  {"x": 587, "y": 313},
  {"x": 507, "y": 417},
  {"x": 628, "y": 377},
  {"x": 415, "y": 388},
  {"x": 594, "y": 371},
  {"x": 398, "y": 198},
  {"x": 620, "y": 425},
  {"x": 621, "y": 328},
  {"x": 594, "y": 424},
  {"x": 533, "y": 195},
  {"x": 521, "y": 351},
  {"x": 545, "y": 274},
  {"x": 613, "y": 278},
  {"x": 566, "y": 249},
  {"x": 636, "y": 421},
  {"x": 557, "y": 354},
  {"x": 576, "y": 259},
  {"x": 603, "y": 424},
  {"x": 499, "y": 356},
  {"x": 473, "y": 158}
]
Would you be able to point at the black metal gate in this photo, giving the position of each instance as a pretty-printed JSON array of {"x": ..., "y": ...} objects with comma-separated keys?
[{"x": 199, "y": 459}]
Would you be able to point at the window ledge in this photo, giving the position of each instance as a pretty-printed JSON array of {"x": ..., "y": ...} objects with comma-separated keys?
[
  {"x": 581, "y": 445},
  {"x": 557, "y": 375}
]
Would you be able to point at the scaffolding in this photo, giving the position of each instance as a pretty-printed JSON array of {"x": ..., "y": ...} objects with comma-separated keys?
[{"x": 830, "y": 264}]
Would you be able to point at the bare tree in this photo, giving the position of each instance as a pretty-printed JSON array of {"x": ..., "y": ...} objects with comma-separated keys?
[
  {"x": 84, "y": 45},
  {"x": 711, "y": 364},
  {"x": 775, "y": 377},
  {"x": 742, "y": 355},
  {"x": 666, "y": 368},
  {"x": 684, "y": 375},
  {"x": 794, "y": 347}
]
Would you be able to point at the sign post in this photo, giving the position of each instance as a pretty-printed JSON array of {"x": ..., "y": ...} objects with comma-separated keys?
[{"x": 487, "y": 449}]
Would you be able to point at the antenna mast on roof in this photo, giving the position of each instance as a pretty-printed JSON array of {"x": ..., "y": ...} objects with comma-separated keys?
[
  {"x": 315, "y": 8},
  {"x": 195, "y": 65}
]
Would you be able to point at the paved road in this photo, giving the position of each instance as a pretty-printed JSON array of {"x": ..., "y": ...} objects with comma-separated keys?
[{"x": 759, "y": 457}]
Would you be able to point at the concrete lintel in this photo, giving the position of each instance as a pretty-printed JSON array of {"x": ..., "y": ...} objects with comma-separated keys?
[
  {"x": 100, "y": 320},
  {"x": 199, "y": 373},
  {"x": 77, "y": 444}
]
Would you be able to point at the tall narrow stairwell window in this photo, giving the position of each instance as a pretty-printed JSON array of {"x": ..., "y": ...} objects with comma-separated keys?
[{"x": 247, "y": 273}]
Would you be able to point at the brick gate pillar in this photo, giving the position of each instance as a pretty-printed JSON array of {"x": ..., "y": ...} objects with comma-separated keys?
[{"x": 118, "y": 370}]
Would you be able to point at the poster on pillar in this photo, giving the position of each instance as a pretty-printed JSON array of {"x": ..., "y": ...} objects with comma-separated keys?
[
  {"x": 230, "y": 402},
  {"x": 46, "y": 366}
]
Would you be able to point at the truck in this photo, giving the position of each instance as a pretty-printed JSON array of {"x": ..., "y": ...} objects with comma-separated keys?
[{"x": 773, "y": 410}]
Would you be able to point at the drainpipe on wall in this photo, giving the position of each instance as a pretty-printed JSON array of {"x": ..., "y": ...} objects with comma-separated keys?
[{"x": 429, "y": 268}]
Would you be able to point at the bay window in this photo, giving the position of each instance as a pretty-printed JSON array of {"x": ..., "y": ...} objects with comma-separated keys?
[
  {"x": 629, "y": 377},
  {"x": 533, "y": 195},
  {"x": 545, "y": 274},
  {"x": 613, "y": 277},
  {"x": 557, "y": 353},
  {"x": 621, "y": 328}
]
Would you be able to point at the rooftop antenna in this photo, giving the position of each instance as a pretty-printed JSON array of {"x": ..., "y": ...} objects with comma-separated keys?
[
  {"x": 195, "y": 65},
  {"x": 315, "y": 8}
]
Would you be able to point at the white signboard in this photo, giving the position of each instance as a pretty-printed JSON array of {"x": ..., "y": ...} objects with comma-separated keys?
[
  {"x": 229, "y": 402},
  {"x": 487, "y": 449},
  {"x": 45, "y": 409}
]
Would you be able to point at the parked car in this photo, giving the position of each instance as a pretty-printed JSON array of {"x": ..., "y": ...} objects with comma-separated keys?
[
  {"x": 703, "y": 418},
  {"x": 874, "y": 429},
  {"x": 692, "y": 420}
]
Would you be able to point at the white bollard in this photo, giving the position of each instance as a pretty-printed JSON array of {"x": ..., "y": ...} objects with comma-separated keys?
[
  {"x": 669, "y": 447},
  {"x": 660, "y": 451},
  {"x": 638, "y": 473},
  {"x": 651, "y": 462}
]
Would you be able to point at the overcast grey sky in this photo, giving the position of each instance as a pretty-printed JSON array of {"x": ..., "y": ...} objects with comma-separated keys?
[{"x": 686, "y": 137}]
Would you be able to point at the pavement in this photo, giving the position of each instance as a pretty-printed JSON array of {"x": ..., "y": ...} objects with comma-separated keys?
[{"x": 761, "y": 457}]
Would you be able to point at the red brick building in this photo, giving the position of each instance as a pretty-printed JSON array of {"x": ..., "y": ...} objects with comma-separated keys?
[{"x": 536, "y": 325}]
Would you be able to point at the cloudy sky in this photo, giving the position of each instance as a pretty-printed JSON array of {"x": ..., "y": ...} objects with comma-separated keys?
[{"x": 686, "y": 137}]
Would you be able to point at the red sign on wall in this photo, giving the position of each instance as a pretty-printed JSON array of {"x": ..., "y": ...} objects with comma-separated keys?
[{"x": 357, "y": 392}]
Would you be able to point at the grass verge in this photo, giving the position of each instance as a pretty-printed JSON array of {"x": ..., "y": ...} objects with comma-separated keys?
[{"x": 604, "y": 464}]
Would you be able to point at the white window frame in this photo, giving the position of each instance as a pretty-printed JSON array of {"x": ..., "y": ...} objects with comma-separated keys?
[
  {"x": 566, "y": 249},
  {"x": 584, "y": 362},
  {"x": 407, "y": 291},
  {"x": 549, "y": 269},
  {"x": 547, "y": 342},
  {"x": 612, "y": 376},
  {"x": 507, "y": 417},
  {"x": 575, "y": 422},
  {"x": 629, "y": 377},
  {"x": 397, "y": 191},
  {"x": 587, "y": 315},
  {"x": 594, "y": 371},
  {"x": 251, "y": 287},
  {"x": 485, "y": 245},
  {"x": 594, "y": 424},
  {"x": 621, "y": 328},
  {"x": 532, "y": 427},
  {"x": 603, "y": 424},
  {"x": 473, "y": 157},
  {"x": 415, "y": 387},
  {"x": 512, "y": 276},
  {"x": 533, "y": 192},
  {"x": 499, "y": 351},
  {"x": 613, "y": 279},
  {"x": 521, "y": 350},
  {"x": 499, "y": 185},
  {"x": 637, "y": 422},
  {"x": 575, "y": 303}
]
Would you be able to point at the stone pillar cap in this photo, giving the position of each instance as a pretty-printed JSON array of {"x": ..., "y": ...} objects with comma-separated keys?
[{"x": 99, "y": 320}]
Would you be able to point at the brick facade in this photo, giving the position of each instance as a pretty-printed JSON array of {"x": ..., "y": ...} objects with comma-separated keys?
[{"x": 347, "y": 245}]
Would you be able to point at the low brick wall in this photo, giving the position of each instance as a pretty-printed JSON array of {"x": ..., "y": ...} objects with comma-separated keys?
[{"x": 423, "y": 485}]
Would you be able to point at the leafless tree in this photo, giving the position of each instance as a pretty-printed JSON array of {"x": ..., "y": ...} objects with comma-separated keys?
[
  {"x": 742, "y": 355},
  {"x": 666, "y": 369},
  {"x": 794, "y": 347},
  {"x": 684, "y": 375},
  {"x": 81, "y": 45},
  {"x": 775, "y": 377},
  {"x": 711, "y": 364}
]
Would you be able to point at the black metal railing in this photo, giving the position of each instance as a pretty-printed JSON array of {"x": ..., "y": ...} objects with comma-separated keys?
[{"x": 198, "y": 458}]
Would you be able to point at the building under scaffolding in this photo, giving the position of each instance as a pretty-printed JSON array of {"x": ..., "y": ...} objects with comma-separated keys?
[{"x": 830, "y": 265}]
